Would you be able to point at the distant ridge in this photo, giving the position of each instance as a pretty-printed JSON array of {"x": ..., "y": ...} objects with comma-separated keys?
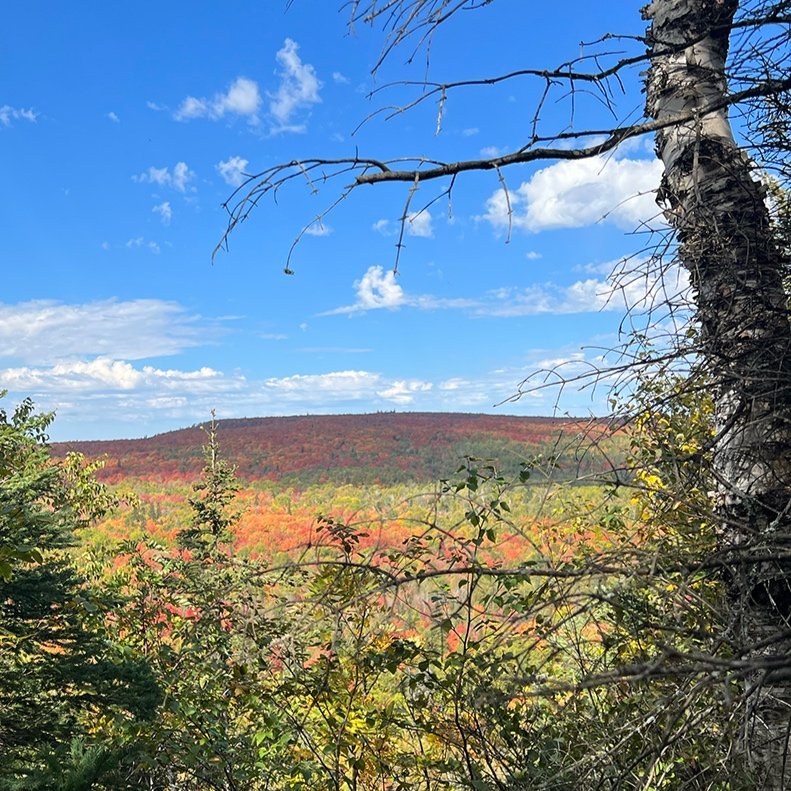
[{"x": 385, "y": 447}]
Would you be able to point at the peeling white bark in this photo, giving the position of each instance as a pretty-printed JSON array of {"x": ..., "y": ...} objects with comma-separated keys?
[{"x": 718, "y": 211}]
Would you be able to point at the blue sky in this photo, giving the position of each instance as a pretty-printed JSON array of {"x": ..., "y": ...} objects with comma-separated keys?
[{"x": 125, "y": 126}]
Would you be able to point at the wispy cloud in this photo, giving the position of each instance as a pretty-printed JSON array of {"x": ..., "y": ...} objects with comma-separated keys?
[
  {"x": 583, "y": 296},
  {"x": 233, "y": 170},
  {"x": 318, "y": 228},
  {"x": 142, "y": 243},
  {"x": 113, "y": 117},
  {"x": 347, "y": 386},
  {"x": 377, "y": 289},
  {"x": 327, "y": 386},
  {"x": 419, "y": 224},
  {"x": 242, "y": 98},
  {"x": 164, "y": 211},
  {"x": 629, "y": 286},
  {"x": 298, "y": 89},
  {"x": 179, "y": 178},
  {"x": 383, "y": 227},
  {"x": 44, "y": 331},
  {"x": 9, "y": 114},
  {"x": 575, "y": 193}
]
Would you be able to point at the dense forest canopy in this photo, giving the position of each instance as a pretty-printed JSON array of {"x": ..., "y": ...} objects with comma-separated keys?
[{"x": 386, "y": 448}]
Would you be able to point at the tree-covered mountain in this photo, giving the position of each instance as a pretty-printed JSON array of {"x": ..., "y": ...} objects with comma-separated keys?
[{"x": 385, "y": 447}]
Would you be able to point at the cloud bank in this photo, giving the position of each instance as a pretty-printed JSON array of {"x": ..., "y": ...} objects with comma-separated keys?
[
  {"x": 45, "y": 331},
  {"x": 576, "y": 193}
]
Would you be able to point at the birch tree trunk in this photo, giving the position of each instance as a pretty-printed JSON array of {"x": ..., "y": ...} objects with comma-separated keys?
[{"x": 717, "y": 207}]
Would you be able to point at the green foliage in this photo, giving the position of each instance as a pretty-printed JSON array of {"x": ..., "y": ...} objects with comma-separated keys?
[
  {"x": 59, "y": 675},
  {"x": 213, "y": 494},
  {"x": 199, "y": 616},
  {"x": 589, "y": 657}
]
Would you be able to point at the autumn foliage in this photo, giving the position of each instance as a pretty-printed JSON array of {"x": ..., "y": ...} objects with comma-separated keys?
[{"x": 383, "y": 448}]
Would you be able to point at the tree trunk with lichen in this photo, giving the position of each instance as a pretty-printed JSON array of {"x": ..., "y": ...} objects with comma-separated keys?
[{"x": 713, "y": 200}]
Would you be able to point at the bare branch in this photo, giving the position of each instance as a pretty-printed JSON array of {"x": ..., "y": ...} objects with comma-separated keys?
[{"x": 366, "y": 170}]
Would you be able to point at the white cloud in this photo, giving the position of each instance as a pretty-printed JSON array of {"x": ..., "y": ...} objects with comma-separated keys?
[
  {"x": 330, "y": 390},
  {"x": 328, "y": 386},
  {"x": 242, "y": 99},
  {"x": 140, "y": 242},
  {"x": 575, "y": 193},
  {"x": 318, "y": 228},
  {"x": 489, "y": 152},
  {"x": 109, "y": 372},
  {"x": 74, "y": 376},
  {"x": 584, "y": 296},
  {"x": 192, "y": 107},
  {"x": 470, "y": 131},
  {"x": 345, "y": 386},
  {"x": 420, "y": 224},
  {"x": 375, "y": 289},
  {"x": 532, "y": 255},
  {"x": 104, "y": 376},
  {"x": 452, "y": 384},
  {"x": 340, "y": 78},
  {"x": 403, "y": 391},
  {"x": 104, "y": 396},
  {"x": 625, "y": 290},
  {"x": 9, "y": 114},
  {"x": 178, "y": 179},
  {"x": 299, "y": 87},
  {"x": 160, "y": 176},
  {"x": 44, "y": 331},
  {"x": 605, "y": 268},
  {"x": 629, "y": 285},
  {"x": 383, "y": 227},
  {"x": 378, "y": 289},
  {"x": 182, "y": 175},
  {"x": 164, "y": 211},
  {"x": 114, "y": 117},
  {"x": 233, "y": 170}
]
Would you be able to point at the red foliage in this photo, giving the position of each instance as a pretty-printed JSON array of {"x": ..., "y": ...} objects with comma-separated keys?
[{"x": 418, "y": 446}]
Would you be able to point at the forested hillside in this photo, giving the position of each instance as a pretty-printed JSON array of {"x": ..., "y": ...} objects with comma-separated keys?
[{"x": 385, "y": 448}]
